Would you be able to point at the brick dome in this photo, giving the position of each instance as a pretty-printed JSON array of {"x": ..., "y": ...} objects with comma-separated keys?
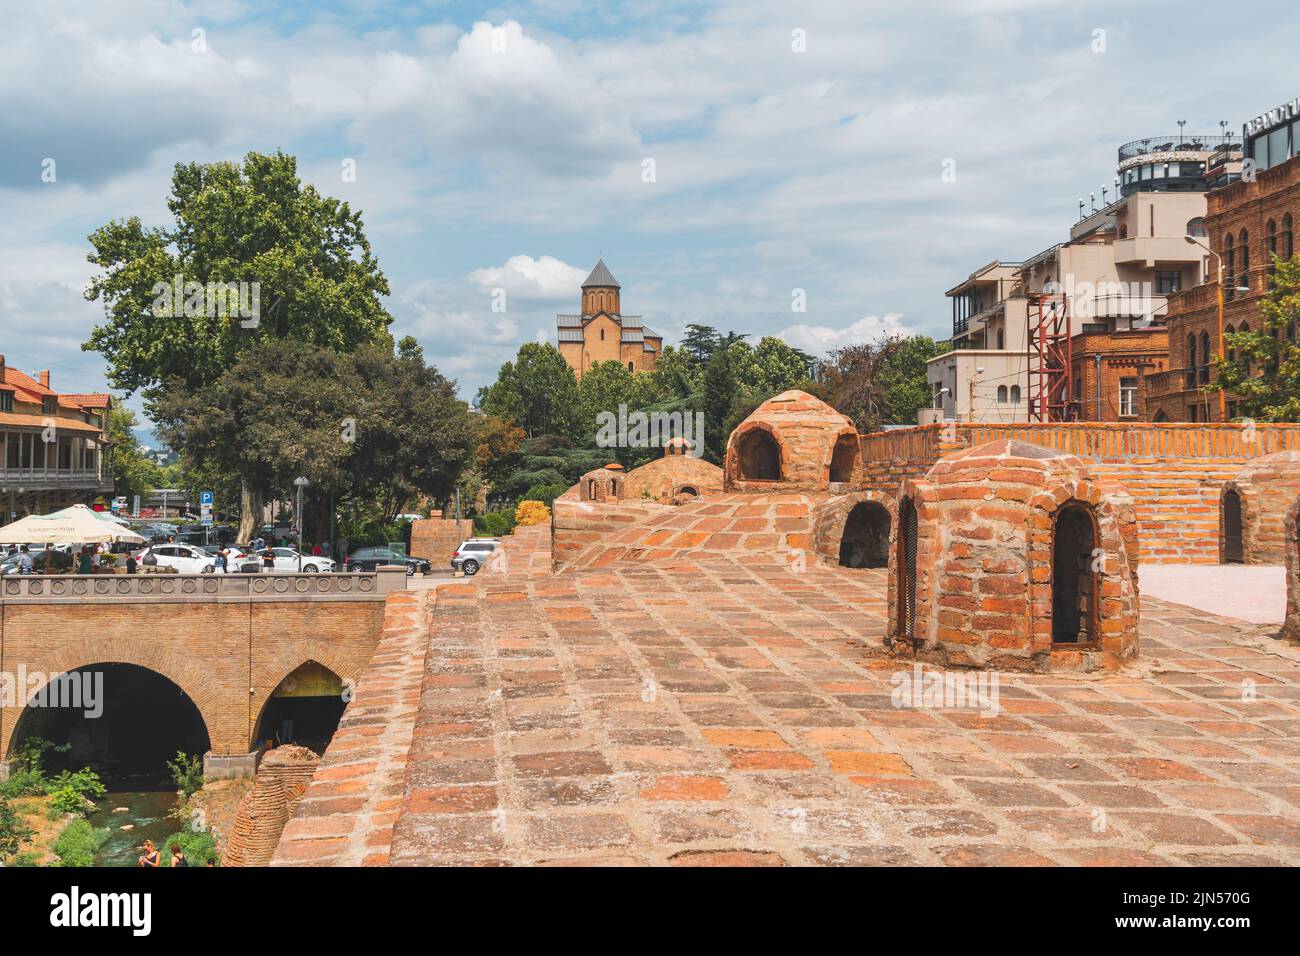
[
  {"x": 602, "y": 484},
  {"x": 1011, "y": 555},
  {"x": 792, "y": 441}
]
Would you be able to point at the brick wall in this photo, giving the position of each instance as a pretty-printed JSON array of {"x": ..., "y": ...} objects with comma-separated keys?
[
  {"x": 1174, "y": 472},
  {"x": 281, "y": 779},
  {"x": 437, "y": 538}
]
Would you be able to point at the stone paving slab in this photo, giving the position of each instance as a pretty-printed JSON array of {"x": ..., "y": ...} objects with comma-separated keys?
[
  {"x": 1252, "y": 593},
  {"x": 715, "y": 711}
]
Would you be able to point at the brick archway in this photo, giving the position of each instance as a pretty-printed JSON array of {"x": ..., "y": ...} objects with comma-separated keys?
[
  {"x": 843, "y": 456},
  {"x": 829, "y": 520},
  {"x": 166, "y": 663},
  {"x": 741, "y": 441},
  {"x": 271, "y": 674}
]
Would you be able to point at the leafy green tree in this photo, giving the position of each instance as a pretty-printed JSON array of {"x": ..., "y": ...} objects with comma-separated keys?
[
  {"x": 676, "y": 374},
  {"x": 1262, "y": 367},
  {"x": 133, "y": 472},
  {"x": 414, "y": 437},
  {"x": 370, "y": 425},
  {"x": 881, "y": 382},
  {"x": 538, "y": 392},
  {"x": 604, "y": 387},
  {"x": 254, "y": 222},
  {"x": 777, "y": 367}
]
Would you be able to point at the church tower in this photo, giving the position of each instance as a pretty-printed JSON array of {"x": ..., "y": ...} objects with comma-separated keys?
[
  {"x": 602, "y": 333},
  {"x": 600, "y": 291}
]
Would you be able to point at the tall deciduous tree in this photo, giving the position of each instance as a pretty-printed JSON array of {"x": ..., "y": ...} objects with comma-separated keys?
[
  {"x": 307, "y": 270},
  {"x": 537, "y": 391},
  {"x": 881, "y": 382}
]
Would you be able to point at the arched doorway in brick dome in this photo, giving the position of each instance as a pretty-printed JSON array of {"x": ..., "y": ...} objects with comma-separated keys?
[
  {"x": 908, "y": 533},
  {"x": 759, "y": 456},
  {"x": 1074, "y": 576},
  {"x": 844, "y": 458},
  {"x": 1234, "y": 550},
  {"x": 865, "y": 541},
  {"x": 121, "y": 720}
]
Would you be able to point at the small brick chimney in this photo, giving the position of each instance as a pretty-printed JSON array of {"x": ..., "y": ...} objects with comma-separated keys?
[{"x": 44, "y": 376}]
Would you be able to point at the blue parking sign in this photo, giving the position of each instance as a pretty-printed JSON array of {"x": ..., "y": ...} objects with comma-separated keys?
[{"x": 205, "y": 497}]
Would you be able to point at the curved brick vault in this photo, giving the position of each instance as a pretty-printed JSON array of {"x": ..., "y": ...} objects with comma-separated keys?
[
  {"x": 1266, "y": 486},
  {"x": 986, "y": 576}
]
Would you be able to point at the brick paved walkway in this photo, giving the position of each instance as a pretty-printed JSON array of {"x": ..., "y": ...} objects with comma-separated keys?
[{"x": 727, "y": 712}]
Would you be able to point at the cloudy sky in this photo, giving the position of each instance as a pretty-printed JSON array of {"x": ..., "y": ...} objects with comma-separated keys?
[{"x": 719, "y": 155}]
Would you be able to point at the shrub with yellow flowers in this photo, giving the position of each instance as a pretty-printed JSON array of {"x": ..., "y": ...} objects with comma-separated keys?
[{"x": 532, "y": 512}]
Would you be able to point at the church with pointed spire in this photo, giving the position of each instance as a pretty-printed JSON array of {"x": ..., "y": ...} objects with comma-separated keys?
[{"x": 602, "y": 333}]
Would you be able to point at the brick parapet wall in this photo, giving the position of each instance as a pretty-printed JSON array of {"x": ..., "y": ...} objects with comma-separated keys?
[
  {"x": 1174, "y": 471},
  {"x": 346, "y": 814}
]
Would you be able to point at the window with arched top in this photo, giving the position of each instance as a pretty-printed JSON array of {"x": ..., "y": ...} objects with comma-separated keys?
[
  {"x": 1243, "y": 246},
  {"x": 1002, "y": 394},
  {"x": 1015, "y": 394},
  {"x": 1191, "y": 361},
  {"x": 1230, "y": 266},
  {"x": 1232, "y": 352},
  {"x": 630, "y": 368},
  {"x": 1288, "y": 247},
  {"x": 1271, "y": 242},
  {"x": 1205, "y": 359}
]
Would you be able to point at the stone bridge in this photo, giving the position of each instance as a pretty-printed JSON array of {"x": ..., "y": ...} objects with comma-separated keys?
[{"x": 226, "y": 641}]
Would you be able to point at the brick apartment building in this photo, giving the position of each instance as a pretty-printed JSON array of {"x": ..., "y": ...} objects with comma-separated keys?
[
  {"x": 54, "y": 448},
  {"x": 602, "y": 333},
  {"x": 1247, "y": 222},
  {"x": 1110, "y": 371}
]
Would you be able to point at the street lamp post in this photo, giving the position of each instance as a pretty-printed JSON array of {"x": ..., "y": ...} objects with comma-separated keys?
[{"x": 299, "y": 484}]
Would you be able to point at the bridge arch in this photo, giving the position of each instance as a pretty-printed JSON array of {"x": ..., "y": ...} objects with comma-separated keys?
[
  {"x": 274, "y": 672},
  {"x": 84, "y": 654}
]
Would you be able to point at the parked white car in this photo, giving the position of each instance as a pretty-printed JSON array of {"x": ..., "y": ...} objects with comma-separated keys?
[
  {"x": 287, "y": 559},
  {"x": 182, "y": 557}
]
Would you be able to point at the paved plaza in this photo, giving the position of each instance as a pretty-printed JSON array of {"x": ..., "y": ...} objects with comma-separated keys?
[{"x": 723, "y": 713}]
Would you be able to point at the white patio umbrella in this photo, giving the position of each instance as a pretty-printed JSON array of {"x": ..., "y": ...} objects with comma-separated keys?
[{"x": 75, "y": 525}]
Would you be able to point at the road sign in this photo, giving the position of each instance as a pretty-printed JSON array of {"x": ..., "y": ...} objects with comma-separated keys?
[
  {"x": 135, "y": 507},
  {"x": 205, "y": 498}
]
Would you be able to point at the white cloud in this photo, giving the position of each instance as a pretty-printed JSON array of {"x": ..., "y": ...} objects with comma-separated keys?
[
  {"x": 818, "y": 339},
  {"x": 542, "y": 279}
]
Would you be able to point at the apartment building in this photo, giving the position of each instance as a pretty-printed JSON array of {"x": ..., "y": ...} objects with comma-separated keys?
[
  {"x": 1114, "y": 273},
  {"x": 54, "y": 448}
]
